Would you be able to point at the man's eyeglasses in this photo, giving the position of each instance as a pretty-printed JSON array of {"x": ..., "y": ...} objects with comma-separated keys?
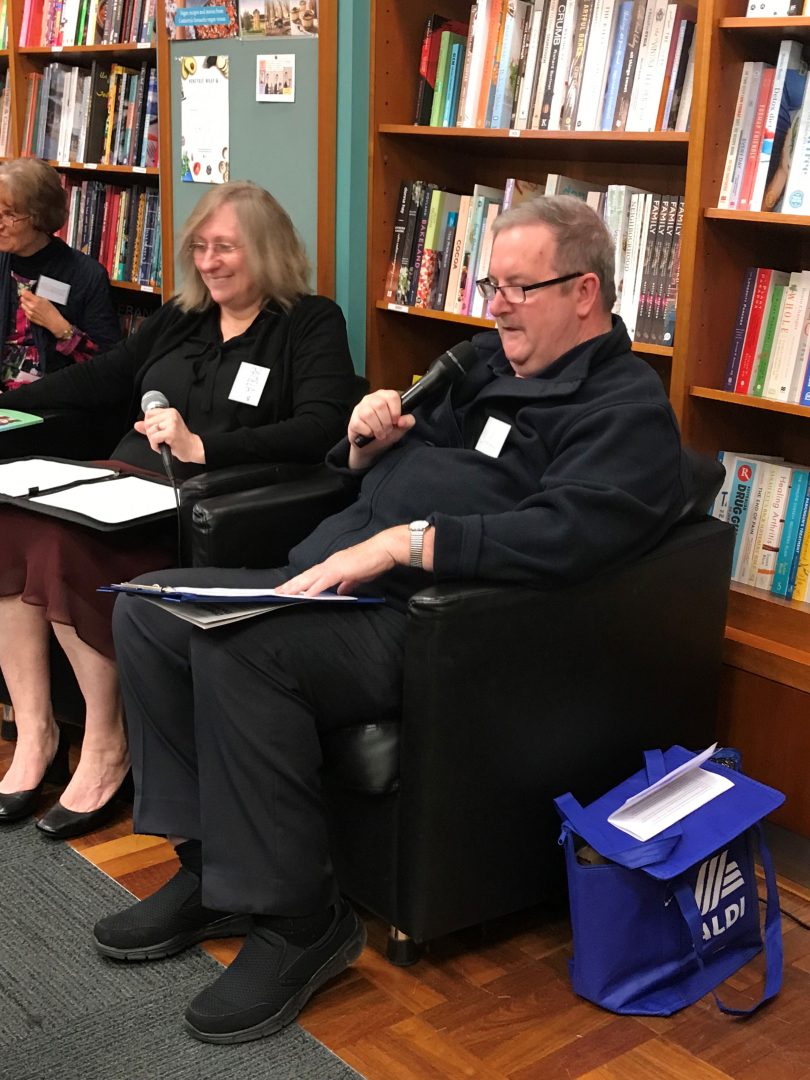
[
  {"x": 516, "y": 294},
  {"x": 217, "y": 247},
  {"x": 8, "y": 217}
]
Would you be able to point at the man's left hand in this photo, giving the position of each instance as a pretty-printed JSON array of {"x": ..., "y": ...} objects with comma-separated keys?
[{"x": 347, "y": 569}]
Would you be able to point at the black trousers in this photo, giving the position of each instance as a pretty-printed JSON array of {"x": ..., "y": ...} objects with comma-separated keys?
[{"x": 224, "y": 732}]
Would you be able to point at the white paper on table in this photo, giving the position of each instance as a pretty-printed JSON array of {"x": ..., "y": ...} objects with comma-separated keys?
[
  {"x": 126, "y": 499},
  {"x": 227, "y": 594},
  {"x": 18, "y": 477},
  {"x": 670, "y": 799}
]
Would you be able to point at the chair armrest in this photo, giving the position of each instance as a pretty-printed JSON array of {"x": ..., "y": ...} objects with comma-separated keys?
[
  {"x": 513, "y": 696},
  {"x": 257, "y": 527}
]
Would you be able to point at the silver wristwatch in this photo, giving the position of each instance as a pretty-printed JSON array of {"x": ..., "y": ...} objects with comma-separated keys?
[{"x": 417, "y": 530}]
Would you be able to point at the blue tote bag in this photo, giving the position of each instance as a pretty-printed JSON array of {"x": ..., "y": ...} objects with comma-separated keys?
[{"x": 658, "y": 924}]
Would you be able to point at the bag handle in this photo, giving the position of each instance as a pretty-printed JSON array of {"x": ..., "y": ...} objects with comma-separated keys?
[
  {"x": 772, "y": 938},
  {"x": 632, "y": 858}
]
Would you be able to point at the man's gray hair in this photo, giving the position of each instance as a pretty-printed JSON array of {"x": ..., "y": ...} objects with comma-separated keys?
[{"x": 583, "y": 240}]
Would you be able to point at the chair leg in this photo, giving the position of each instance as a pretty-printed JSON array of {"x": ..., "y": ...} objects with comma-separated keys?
[
  {"x": 401, "y": 950},
  {"x": 8, "y": 729}
]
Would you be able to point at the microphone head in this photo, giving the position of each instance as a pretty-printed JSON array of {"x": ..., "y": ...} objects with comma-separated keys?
[
  {"x": 460, "y": 358},
  {"x": 153, "y": 399}
]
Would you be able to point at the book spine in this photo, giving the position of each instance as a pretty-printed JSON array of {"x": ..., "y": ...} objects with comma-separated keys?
[
  {"x": 615, "y": 65},
  {"x": 795, "y": 515},
  {"x": 755, "y": 145},
  {"x": 739, "y": 500},
  {"x": 740, "y": 323},
  {"x": 626, "y": 80},
  {"x": 574, "y": 78},
  {"x": 755, "y": 317},
  {"x": 397, "y": 239},
  {"x": 446, "y": 260},
  {"x": 769, "y": 539},
  {"x": 757, "y": 384}
]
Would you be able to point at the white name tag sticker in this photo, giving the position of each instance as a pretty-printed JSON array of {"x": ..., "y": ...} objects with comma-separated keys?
[
  {"x": 51, "y": 289},
  {"x": 493, "y": 437},
  {"x": 249, "y": 383}
]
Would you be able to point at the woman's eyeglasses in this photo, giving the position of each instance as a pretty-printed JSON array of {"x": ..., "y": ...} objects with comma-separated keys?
[
  {"x": 8, "y": 217},
  {"x": 216, "y": 247}
]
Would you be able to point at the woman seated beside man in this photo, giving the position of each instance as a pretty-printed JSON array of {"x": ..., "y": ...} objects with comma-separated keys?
[{"x": 256, "y": 369}]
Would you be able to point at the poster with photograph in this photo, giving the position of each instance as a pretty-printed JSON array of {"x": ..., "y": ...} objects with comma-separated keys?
[
  {"x": 275, "y": 77},
  {"x": 278, "y": 18},
  {"x": 201, "y": 20},
  {"x": 304, "y": 18},
  {"x": 204, "y": 132},
  {"x": 264, "y": 18}
]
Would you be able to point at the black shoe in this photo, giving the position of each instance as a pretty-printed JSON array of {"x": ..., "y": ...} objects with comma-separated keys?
[
  {"x": 63, "y": 824},
  {"x": 271, "y": 980},
  {"x": 170, "y": 920},
  {"x": 21, "y": 804}
]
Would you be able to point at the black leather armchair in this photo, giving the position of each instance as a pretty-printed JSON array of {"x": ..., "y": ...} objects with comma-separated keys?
[{"x": 442, "y": 817}]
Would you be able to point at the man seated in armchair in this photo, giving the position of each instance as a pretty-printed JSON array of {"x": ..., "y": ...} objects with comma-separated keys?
[{"x": 557, "y": 457}]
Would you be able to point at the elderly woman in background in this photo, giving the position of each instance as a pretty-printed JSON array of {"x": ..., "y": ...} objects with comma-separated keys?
[
  {"x": 256, "y": 370},
  {"x": 55, "y": 302}
]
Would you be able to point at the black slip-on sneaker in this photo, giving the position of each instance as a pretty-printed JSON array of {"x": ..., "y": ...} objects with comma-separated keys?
[{"x": 271, "y": 980}]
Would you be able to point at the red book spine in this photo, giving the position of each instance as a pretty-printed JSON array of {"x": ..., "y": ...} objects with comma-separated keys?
[{"x": 752, "y": 330}]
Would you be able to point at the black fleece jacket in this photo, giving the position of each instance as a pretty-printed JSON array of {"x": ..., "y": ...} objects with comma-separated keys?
[{"x": 589, "y": 475}]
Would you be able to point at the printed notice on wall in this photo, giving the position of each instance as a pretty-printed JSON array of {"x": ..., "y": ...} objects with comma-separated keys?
[
  {"x": 275, "y": 77},
  {"x": 203, "y": 20},
  {"x": 204, "y": 132},
  {"x": 278, "y": 18}
]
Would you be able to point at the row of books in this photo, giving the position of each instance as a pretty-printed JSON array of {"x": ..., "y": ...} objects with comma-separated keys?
[
  {"x": 770, "y": 347},
  {"x": 87, "y": 22},
  {"x": 106, "y": 114},
  {"x": 560, "y": 65},
  {"x": 767, "y": 500},
  {"x": 442, "y": 241},
  {"x": 119, "y": 226},
  {"x": 5, "y": 113},
  {"x": 767, "y": 163},
  {"x": 776, "y": 9},
  {"x": 131, "y": 317}
]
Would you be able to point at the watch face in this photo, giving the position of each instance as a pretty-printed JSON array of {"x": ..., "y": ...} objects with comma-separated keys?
[{"x": 419, "y": 526}]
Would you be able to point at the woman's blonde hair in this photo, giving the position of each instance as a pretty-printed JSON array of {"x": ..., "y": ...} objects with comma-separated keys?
[
  {"x": 275, "y": 254},
  {"x": 33, "y": 188}
]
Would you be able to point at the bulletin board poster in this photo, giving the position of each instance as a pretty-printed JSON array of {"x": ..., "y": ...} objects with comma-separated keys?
[
  {"x": 275, "y": 77},
  {"x": 278, "y": 18},
  {"x": 201, "y": 20},
  {"x": 204, "y": 130}
]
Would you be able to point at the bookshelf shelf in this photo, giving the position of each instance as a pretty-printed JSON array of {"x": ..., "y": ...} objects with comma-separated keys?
[
  {"x": 767, "y": 30},
  {"x": 89, "y": 52},
  {"x": 657, "y": 147},
  {"x": 117, "y": 170},
  {"x": 780, "y": 221},
  {"x": 787, "y": 408},
  {"x": 489, "y": 324}
]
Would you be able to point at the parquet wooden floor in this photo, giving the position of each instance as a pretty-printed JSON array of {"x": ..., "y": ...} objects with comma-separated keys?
[{"x": 495, "y": 1003}]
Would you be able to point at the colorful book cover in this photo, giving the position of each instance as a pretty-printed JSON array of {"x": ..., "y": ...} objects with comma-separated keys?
[
  {"x": 795, "y": 516},
  {"x": 11, "y": 419}
]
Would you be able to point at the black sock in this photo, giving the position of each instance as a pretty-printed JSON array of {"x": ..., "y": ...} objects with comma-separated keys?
[
  {"x": 301, "y": 930},
  {"x": 190, "y": 855}
]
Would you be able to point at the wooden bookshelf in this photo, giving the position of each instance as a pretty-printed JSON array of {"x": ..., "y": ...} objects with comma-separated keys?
[
  {"x": 768, "y": 639},
  {"x": 23, "y": 61}
]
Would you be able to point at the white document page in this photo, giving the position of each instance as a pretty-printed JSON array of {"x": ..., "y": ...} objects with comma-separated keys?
[
  {"x": 208, "y": 616},
  {"x": 670, "y": 799},
  {"x": 18, "y": 477},
  {"x": 127, "y": 499},
  {"x": 229, "y": 594}
]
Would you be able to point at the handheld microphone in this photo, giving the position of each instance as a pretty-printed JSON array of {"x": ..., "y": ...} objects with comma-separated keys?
[
  {"x": 153, "y": 399},
  {"x": 445, "y": 369}
]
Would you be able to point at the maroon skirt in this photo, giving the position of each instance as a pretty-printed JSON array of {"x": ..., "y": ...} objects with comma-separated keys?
[{"x": 58, "y": 566}]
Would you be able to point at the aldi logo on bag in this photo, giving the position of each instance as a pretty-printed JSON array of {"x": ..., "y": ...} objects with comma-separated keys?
[{"x": 718, "y": 878}]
